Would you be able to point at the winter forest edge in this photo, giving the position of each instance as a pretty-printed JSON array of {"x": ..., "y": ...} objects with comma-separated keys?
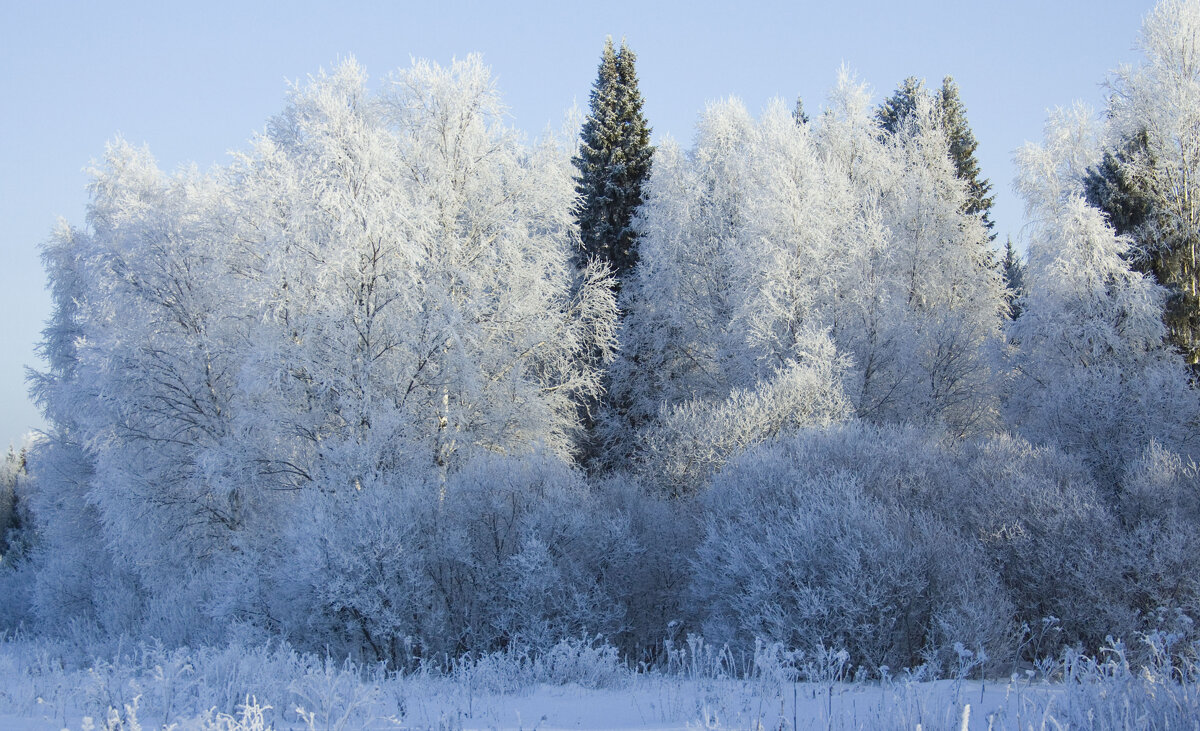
[{"x": 400, "y": 386}]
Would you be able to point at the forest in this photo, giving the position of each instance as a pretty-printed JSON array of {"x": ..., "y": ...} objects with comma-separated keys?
[{"x": 401, "y": 386}]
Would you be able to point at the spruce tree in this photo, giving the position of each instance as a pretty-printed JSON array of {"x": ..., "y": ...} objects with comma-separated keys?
[
  {"x": 613, "y": 163},
  {"x": 897, "y": 108},
  {"x": 1120, "y": 187},
  {"x": 1012, "y": 271},
  {"x": 953, "y": 117},
  {"x": 798, "y": 113},
  {"x": 1149, "y": 181},
  {"x": 1115, "y": 189}
]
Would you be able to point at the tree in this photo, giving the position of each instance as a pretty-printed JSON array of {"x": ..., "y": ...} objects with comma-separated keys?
[
  {"x": 682, "y": 294},
  {"x": 13, "y": 512},
  {"x": 77, "y": 577},
  {"x": 896, "y": 109},
  {"x": 953, "y": 117},
  {"x": 768, "y": 239},
  {"x": 923, "y": 298},
  {"x": 381, "y": 286},
  {"x": 718, "y": 303},
  {"x": 148, "y": 400},
  {"x": 798, "y": 113},
  {"x": 613, "y": 162},
  {"x": 1012, "y": 271},
  {"x": 1092, "y": 371},
  {"x": 445, "y": 317},
  {"x": 1149, "y": 179},
  {"x": 1113, "y": 187}
]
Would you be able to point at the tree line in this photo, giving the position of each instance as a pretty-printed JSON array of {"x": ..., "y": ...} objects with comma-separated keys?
[{"x": 400, "y": 383}]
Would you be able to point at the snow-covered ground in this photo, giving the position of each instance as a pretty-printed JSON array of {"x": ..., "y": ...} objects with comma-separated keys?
[
  {"x": 254, "y": 688},
  {"x": 647, "y": 702}
]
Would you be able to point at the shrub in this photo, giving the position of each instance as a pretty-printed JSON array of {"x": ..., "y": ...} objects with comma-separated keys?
[{"x": 798, "y": 550}]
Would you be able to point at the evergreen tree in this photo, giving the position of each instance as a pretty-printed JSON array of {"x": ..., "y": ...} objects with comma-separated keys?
[
  {"x": 12, "y": 477},
  {"x": 613, "y": 162},
  {"x": 953, "y": 116},
  {"x": 1148, "y": 182},
  {"x": 1121, "y": 187},
  {"x": 1013, "y": 273},
  {"x": 1113, "y": 187},
  {"x": 1122, "y": 193},
  {"x": 798, "y": 113},
  {"x": 1092, "y": 372},
  {"x": 897, "y": 108}
]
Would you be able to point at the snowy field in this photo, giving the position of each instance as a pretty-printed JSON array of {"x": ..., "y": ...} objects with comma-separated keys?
[{"x": 254, "y": 688}]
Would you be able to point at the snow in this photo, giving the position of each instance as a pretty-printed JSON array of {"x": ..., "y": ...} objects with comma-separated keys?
[{"x": 651, "y": 702}]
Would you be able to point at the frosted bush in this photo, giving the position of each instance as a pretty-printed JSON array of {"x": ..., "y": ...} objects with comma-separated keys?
[
  {"x": 525, "y": 556},
  {"x": 800, "y": 550},
  {"x": 587, "y": 664},
  {"x": 1044, "y": 528},
  {"x": 1159, "y": 507},
  {"x": 652, "y": 586},
  {"x": 695, "y": 439},
  {"x": 360, "y": 585},
  {"x": 511, "y": 552}
]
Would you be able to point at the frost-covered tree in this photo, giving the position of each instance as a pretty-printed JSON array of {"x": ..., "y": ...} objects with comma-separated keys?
[
  {"x": 919, "y": 298},
  {"x": 14, "y": 514},
  {"x": 768, "y": 236},
  {"x": 76, "y": 577},
  {"x": 1149, "y": 179},
  {"x": 718, "y": 303},
  {"x": 382, "y": 285},
  {"x": 681, "y": 298},
  {"x": 1093, "y": 373},
  {"x": 613, "y": 162},
  {"x": 943, "y": 275},
  {"x": 150, "y": 395},
  {"x": 1012, "y": 272},
  {"x": 953, "y": 117},
  {"x": 949, "y": 112},
  {"x": 444, "y": 316},
  {"x": 798, "y": 113},
  {"x": 894, "y": 111}
]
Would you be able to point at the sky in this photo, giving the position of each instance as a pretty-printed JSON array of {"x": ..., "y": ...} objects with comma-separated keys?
[{"x": 196, "y": 81}]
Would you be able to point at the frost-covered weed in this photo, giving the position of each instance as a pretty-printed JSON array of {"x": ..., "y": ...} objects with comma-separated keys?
[
  {"x": 335, "y": 696},
  {"x": 244, "y": 688},
  {"x": 587, "y": 664},
  {"x": 696, "y": 659}
]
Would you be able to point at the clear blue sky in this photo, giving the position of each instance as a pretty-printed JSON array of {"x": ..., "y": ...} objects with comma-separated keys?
[{"x": 195, "y": 81}]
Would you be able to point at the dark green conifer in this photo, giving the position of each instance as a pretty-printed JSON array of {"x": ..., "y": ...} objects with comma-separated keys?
[
  {"x": 953, "y": 116},
  {"x": 1013, "y": 273},
  {"x": 1112, "y": 187},
  {"x": 613, "y": 162},
  {"x": 1160, "y": 249},
  {"x": 798, "y": 113},
  {"x": 900, "y": 105}
]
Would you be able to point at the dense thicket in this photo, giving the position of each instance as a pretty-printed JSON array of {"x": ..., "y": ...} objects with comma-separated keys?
[{"x": 331, "y": 392}]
